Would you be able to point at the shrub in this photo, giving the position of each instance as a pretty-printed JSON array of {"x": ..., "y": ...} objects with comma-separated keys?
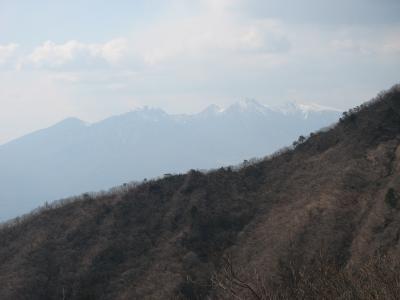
[{"x": 391, "y": 198}]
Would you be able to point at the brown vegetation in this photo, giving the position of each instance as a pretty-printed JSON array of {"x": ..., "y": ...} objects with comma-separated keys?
[
  {"x": 377, "y": 278},
  {"x": 336, "y": 190}
]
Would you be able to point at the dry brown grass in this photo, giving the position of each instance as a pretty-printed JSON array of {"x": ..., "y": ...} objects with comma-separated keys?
[
  {"x": 165, "y": 238},
  {"x": 378, "y": 278}
]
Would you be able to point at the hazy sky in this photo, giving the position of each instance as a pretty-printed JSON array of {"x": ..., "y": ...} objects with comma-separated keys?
[{"x": 93, "y": 59}]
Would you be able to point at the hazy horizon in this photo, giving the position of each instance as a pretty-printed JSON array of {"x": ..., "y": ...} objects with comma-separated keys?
[
  {"x": 95, "y": 59},
  {"x": 282, "y": 107},
  {"x": 72, "y": 157},
  {"x": 199, "y": 149}
]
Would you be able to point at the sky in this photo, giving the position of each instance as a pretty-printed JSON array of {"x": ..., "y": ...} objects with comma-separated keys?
[{"x": 93, "y": 59}]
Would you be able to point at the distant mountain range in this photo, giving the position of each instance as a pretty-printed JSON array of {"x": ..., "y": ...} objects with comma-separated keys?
[
  {"x": 73, "y": 157},
  {"x": 318, "y": 221}
]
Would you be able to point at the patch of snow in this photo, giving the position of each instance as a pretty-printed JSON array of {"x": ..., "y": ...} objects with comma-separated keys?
[{"x": 292, "y": 108}]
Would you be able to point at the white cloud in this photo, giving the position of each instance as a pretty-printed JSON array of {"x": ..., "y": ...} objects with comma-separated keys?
[
  {"x": 50, "y": 54},
  {"x": 216, "y": 31},
  {"x": 66, "y": 77},
  {"x": 392, "y": 47},
  {"x": 7, "y": 51},
  {"x": 113, "y": 51},
  {"x": 391, "y": 43},
  {"x": 197, "y": 53},
  {"x": 351, "y": 45},
  {"x": 368, "y": 42}
]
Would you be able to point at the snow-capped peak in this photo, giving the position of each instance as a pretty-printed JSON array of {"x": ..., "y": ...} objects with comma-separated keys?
[
  {"x": 253, "y": 106},
  {"x": 148, "y": 110},
  {"x": 313, "y": 107},
  {"x": 248, "y": 105},
  {"x": 212, "y": 110},
  {"x": 290, "y": 108}
]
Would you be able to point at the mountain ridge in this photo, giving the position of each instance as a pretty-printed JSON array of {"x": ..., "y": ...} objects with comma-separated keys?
[
  {"x": 73, "y": 156},
  {"x": 338, "y": 191},
  {"x": 286, "y": 108}
]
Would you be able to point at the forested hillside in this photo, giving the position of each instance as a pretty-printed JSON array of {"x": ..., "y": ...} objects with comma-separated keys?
[
  {"x": 73, "y": 157},
  {"x": 299, "y": 224}
]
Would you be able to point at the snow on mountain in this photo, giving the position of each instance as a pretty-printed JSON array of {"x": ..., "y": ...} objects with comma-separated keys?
[
  {"x": 291, "y": 108},
  {"x": 253, "y": 106},
  {"x": 248, "y": 106},
  {"x": 73, "y": 157}
]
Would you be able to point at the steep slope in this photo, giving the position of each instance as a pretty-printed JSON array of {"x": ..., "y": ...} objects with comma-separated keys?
[
  {"x": 73, "y": 157},
  {"x": 336, "y": 191}
]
